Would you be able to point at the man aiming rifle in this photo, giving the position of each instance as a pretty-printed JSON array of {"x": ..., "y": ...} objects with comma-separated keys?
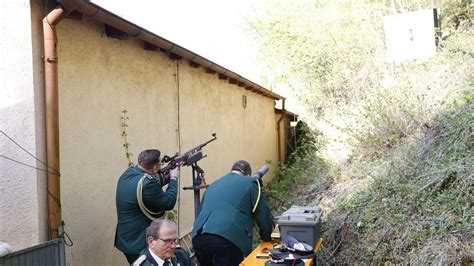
[{"x": 141, "y": 199}]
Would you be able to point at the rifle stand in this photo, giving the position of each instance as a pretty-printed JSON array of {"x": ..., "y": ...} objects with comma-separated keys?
[{"x": 198, "y": 184}]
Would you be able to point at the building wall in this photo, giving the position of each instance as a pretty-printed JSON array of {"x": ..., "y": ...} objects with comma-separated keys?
[
  {"x": 170, "y": 105},
  {"x": 209, "y": 105},
  {"x": 22, "y": 188},
  {"x": 281, "y": 151},
  {"x": 287, "y": 139}
]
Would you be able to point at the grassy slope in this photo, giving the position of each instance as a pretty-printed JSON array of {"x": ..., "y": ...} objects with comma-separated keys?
[
  {"x": 392, "y": 162},
  {"x": 407, "y": 196},
  {"x": 420, "y": 209}
]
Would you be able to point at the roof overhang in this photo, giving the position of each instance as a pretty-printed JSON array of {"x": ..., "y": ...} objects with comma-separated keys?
[
  {"x": 293, "y": 117},
  {"x": 100, "y": 14}
]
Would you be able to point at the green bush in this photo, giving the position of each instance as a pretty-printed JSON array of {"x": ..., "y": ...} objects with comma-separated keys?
[{"x": 303, "y": 168}]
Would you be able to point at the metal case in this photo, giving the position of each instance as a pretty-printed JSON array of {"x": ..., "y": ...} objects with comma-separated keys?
[{"x": 302, "y": 223}]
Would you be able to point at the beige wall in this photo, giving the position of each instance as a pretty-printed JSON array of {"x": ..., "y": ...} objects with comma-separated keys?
[
  {"x": 170, "y": 105},
  {"x": 282, "y": 140},
  {"x": 22, "y": 189},
  {"x": 285, "y": 134},
  {"x": 208, "y": 105}
]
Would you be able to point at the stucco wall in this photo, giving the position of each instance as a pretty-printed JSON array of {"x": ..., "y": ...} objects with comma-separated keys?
[
  {"x": 208, "y": 105},
  {"x": 286, "y": 138},
  {"x": 22, "y": 189},
  {"x": 171, "y": 106}
]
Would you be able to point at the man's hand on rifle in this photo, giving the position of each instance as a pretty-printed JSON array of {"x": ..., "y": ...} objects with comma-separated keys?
[{"x": 174, "y": 173}]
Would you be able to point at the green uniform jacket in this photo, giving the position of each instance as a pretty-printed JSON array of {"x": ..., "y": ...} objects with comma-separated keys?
[
  {"x": 181, "y": 257},
  {"x": 130, "y": 235},
  {"x": 226, "y": 210}
]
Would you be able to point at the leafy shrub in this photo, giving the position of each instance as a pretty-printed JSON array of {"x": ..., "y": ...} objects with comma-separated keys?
[{"x": 303, "y": 167}]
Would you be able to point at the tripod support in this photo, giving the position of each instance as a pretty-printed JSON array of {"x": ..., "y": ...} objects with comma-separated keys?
[{"x": 198, "y": 184}]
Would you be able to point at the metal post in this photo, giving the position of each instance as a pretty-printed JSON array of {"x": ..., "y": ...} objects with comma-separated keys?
[
  {"x": 62, "y": 251},
  {"x": 198, "y": 175},
  {"x": 197, "y": 193}
]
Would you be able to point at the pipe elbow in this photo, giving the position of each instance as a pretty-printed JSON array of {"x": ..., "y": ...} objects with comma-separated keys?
[{"x": 54, "y": 16}]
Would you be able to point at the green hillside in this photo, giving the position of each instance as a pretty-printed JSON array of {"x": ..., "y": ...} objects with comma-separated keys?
[{"x": 386, "y": 149}]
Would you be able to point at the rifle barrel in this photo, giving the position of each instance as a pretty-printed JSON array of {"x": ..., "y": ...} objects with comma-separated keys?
[{"x": 184, "y": 156}]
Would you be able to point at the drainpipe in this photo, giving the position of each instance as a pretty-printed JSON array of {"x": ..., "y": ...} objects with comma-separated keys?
[
  {"x": 278, "y": 131},
  {"x": 52, "y": 118}
]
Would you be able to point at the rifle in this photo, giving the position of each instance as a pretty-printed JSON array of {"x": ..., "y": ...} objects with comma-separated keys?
[{"x": 186, "y": 159}]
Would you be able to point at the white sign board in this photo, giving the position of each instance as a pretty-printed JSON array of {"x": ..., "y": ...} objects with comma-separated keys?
[{"x": 410, "y": 35}]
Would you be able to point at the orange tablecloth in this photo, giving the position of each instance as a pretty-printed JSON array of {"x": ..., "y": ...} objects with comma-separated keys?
[{"x": 252, "y": 260}]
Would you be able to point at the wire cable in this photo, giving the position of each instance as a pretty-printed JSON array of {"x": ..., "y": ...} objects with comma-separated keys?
[
  {"x": 56, "y": 172},
  {"x": 179, "y": 142},
  {"x": 27, "y": 165}
]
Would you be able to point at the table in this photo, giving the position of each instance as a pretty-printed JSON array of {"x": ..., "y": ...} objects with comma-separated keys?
[{"x": 252, "y": 260}]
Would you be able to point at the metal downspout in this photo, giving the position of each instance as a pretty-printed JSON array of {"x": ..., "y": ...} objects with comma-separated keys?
[{"x": 52, "y": 118}]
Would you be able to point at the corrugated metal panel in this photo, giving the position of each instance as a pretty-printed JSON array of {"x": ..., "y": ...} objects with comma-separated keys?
[{"x": 50, "y": 253}]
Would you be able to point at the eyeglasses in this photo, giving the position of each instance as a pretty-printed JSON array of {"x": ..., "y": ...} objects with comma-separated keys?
[{"x": 169, "y": 241}]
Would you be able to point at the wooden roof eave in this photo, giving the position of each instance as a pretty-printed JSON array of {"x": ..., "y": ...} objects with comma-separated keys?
[{"x": 100, "y": 14}]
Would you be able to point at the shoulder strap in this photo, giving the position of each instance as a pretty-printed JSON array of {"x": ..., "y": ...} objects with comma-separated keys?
[
  {"x": 139, "y": 261},
  {"x": 149, "y": 214},
  {"x": 258, "y": 197}
]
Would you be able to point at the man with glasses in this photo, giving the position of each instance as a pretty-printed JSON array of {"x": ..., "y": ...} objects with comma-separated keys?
[
  {"x": 141, "y": 199},
  {"x": 163, "y": 249}
]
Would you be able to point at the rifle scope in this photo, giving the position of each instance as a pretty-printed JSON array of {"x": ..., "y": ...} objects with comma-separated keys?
[{"x": 261, "y": 172}]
